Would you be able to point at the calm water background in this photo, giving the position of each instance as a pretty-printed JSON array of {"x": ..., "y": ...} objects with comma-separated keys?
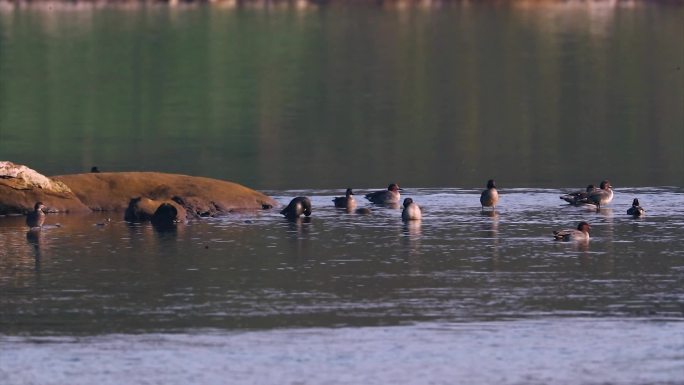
[
  {"x": 549, "y": 95},
  {"x": 308, "y": 102}
]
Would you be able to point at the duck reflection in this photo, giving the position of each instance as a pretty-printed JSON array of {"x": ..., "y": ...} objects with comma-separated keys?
[
  {"x": 299, "y": 230},
  {"x": 411, "y": 237},
  {"x": 490, "y": 227},
  {"x": 299, "y": 226},
  {"x": 35, "y": 238}
]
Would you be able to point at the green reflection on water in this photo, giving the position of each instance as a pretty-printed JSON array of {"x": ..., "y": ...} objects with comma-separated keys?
[{"x": 558, "y": 94}]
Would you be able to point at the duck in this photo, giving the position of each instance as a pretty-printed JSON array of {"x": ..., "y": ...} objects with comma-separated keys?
[
  {"x": 636, "y": 210},
  {"x": 601, "y": 196},
  {"x": 575, "y": 198},
  {"x": 389, "y": 196},
  {"x": 579, "y": 234},
  {"x": 297, "y": 207},
  {"x": 347, "y": 201},
  {"x": 490, "y": 196},
  {"x": 36, "y": 218},
  {"x": 411, "y": 211}
]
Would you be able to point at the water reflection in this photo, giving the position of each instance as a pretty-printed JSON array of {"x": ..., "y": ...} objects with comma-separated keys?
[
  {"x": 35, "y": 239},
  {"x": 337, "y": 269},
  {"x": 250, "y": 117}
]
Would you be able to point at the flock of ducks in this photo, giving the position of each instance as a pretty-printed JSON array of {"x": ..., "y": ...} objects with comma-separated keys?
[
  {"x": 488, "y": 199},
  {"x": 411, "y": 211}
]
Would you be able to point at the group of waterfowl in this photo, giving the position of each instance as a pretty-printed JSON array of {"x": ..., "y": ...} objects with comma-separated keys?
[
  {"x": 488, "y": 198},
  {"x": 411, "y": 211}
]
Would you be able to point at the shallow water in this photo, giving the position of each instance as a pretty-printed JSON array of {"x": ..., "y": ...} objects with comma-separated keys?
[
  {"x": 491, "y": 298},
  {"x": 553, "y": 350},
  {"x": 258, "y": 270}
]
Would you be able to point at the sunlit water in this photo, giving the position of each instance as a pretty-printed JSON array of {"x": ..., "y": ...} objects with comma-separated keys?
[{"x": 490, "y": 297}]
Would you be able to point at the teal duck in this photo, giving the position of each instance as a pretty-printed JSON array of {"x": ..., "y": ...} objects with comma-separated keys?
[
  {"x": 389, "y": 196},
  {"x": 579, "y": 234}
]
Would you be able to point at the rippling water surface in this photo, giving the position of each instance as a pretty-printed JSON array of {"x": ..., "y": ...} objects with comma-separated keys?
[
  {"x": 541, "y": 93},
  {"x": 251, "y": 271}
]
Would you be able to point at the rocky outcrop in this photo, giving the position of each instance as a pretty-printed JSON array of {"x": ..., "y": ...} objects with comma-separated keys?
[
  {"x": 142, "y": 209},
  {"x": 21, "y": 187},
  {"x": 112, "y": 191}
]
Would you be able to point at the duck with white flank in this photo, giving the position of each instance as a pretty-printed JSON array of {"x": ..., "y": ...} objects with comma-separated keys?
[
  {"x": 601, "y": 196},
  {"x": 36, "y": 218},
  {"x": 411, "y": 211},
  {"x": 579, "y": 234},
  {"x": 347, "y": 201},
  {"x": 575, "y": 198},
  {"x": 389, "y": 196},
  {"x": 636, "y": 210},
  {"x": 490, "y": 196},
  {"x": 297, "y": 207}
]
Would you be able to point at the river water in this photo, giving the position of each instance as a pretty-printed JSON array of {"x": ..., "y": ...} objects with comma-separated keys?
[{"x": 545, "y": 98}]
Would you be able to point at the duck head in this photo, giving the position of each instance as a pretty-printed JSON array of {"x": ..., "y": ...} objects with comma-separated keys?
[
  {"x": 39, "y": 206},
  {"x": 394, "y": 187},
  {"x": 584, "y": 227},
  {"x": 635, "y": 202},
  {"x": 349, "y": 193},
  {"x": 491, "y": 184},
  {"x": 407, "y": 202},
  {"x": 605, "y": 184}
]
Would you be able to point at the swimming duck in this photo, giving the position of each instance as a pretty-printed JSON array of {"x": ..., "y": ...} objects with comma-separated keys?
[
  {"x": 411, "y": 210},
  {"x": 36, "y": 218},
  {"x": 600, "y": 196},
  {"x": 389, "y": 196},
  {"x": 636, "y": 210},
  {"x": 579, "y": 234},
  {"x": 490, "y": 196},
  {"x": 297, "y": 207},
  {"x": 575, "y": 198},
  {"x": 347, "y": 201}
]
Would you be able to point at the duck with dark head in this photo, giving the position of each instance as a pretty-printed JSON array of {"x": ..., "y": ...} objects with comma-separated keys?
[
  {"x": 390, "y": 196},
  {"x": 345, "y": 202},
  {"x": 579, "y": 234},
  {"x": 489, "y": 197},
  {"x": 36, "y": 218},
  {"x": 297, "y": 207}
]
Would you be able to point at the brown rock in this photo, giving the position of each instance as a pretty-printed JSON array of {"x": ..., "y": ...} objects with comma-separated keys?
[
  {"x": 142, "y": 209},
  {"x": 21, "y": 187},
  {"x": 112, "y": 191}
]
